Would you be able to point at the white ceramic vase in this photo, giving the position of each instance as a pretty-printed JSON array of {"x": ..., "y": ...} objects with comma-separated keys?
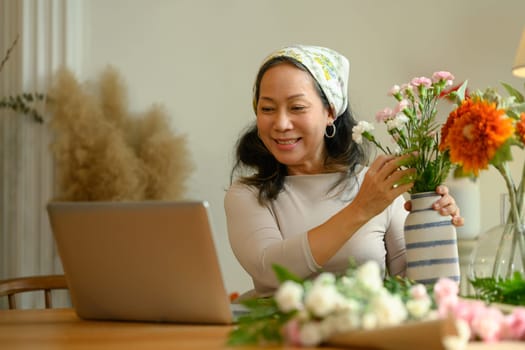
[{"x": 431, "y": 242}]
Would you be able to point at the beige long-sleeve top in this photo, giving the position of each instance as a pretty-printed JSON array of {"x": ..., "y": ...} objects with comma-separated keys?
[{"x": 276, "y": 233}]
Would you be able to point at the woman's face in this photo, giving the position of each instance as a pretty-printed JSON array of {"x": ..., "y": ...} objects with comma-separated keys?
[{"x": 291, "y": 119}]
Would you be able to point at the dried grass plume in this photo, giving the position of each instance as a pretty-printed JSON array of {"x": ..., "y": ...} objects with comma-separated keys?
[{"x": 105, "y": 153}]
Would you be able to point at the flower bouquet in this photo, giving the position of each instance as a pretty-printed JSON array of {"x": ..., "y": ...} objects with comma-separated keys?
[
  {"x": 414, "y": 129},
  {"x": 359, "y": 308},
  {"x": 431, "y": 239},
  {"x": 480, "y": 132}
]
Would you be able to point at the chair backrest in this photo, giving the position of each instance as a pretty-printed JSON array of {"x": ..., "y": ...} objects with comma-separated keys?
[{"x": 45, "y": 283}]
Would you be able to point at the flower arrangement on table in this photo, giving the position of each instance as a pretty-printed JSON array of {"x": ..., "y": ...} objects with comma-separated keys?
[
  {"x": 414, "y": 129},
  {"x": 310, "y": 312}
]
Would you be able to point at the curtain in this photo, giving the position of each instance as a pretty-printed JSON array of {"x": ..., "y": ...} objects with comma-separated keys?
[{"x": 48, "y": 34}]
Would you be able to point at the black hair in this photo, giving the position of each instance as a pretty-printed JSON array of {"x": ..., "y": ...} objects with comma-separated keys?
[{"x": 343, "y": 154}]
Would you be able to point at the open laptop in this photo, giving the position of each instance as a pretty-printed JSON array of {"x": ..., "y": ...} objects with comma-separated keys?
[{"x": 141, "y": 261}]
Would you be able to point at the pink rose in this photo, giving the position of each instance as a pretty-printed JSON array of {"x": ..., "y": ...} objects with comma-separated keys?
[
  {"x": 446, "y": 294},
  {"x": 515, "y": 324},
  {"x": 292, "y": 332},
  {"x": 444, "y": 288},
  {"x": 488, "y": 324},
  {"x": 467, "y": 310}
]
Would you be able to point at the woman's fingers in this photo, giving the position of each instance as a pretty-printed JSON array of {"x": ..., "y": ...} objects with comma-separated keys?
[
  {"x": 446, "y": 205},
  {"x": 384, "y": 179}
]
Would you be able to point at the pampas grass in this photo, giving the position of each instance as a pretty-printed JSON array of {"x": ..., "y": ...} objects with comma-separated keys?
[{"x": 105, "y": 153}]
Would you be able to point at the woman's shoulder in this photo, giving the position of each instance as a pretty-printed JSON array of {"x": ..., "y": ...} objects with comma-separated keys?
[{"x": 239, "y": 189}]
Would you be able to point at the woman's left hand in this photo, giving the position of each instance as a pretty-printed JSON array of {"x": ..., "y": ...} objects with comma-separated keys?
[{"x": 446, "y": 205}]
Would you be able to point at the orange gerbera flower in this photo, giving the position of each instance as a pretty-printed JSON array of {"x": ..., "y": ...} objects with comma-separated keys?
[
  {"x": 474, "y": 132},
  {"x": 520, "y": 128}
]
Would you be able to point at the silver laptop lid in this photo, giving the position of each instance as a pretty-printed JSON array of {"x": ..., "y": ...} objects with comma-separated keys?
[{"x": 143, "y": 261}]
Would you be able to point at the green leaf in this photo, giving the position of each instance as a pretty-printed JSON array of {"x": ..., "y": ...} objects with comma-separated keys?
[
  {"x": 519, "y": 108},
  {"x": 503, "y": 154},
  {"x": 285, "y": 275},
  {"x": 459, "y": 95},
  {"x": 513, "y": 92},
  {"x": 507, "y": 291}
]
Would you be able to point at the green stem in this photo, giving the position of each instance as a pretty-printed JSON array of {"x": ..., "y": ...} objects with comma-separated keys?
[
  {"x": 515, "y": 221},
  {"x": 521, "y": 236}
]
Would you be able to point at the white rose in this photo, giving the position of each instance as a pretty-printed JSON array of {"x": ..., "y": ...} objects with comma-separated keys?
[
  {"x": 289, "y": 296},
  {"x": 459, "y": 341},
  {"x": 369, "y": 321},
  {"x": 389, "y": 309},
  {"x": 310, "y": 334},
  {"x": 369, "y": 276},
  {"x": 325, "y": 278},
  {"x": 419, "y": 308},
  {"x": 322, "y": 299},
  {"x": 346, "y": 321}
]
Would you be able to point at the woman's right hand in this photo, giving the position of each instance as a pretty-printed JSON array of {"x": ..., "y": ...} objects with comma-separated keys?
[{"x": 383, "y": 182}]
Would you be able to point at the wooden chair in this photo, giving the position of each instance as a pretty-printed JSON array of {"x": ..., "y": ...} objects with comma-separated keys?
[{"x": 46, "y": 283}]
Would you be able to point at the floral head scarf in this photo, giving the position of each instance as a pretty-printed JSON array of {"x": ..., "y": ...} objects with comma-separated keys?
[{"x": 329, "y": 68}]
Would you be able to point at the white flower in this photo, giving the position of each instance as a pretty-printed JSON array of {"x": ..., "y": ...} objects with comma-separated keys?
[
  {"x": 339, "y": 323},
  {"x": 458, "y": 342},
  {"x": 325, "y": 278},
  {"x": 397, "y": 122},
  {"x": 322, "y": 299},
  {"x": 418, "y": 308},
  {"x": 349, "y": 305},
  {"x": 369, "y": 276},
  {"x": 359, "y": 129},
  {"x": 347, "y": 282},
  {"x": 358, "y": 138},
  {"x": 310, "y": 334},
  {"x": 303, "y": 315},
  {"x": 389, "y": 309},
  {"x": 418, "y": 291},
  {"x": 369, "y": 321},
  {"x": 289, "y": 296}
]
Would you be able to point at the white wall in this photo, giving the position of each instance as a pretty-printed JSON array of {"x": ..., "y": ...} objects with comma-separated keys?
[{"x": 199, "y": 58}]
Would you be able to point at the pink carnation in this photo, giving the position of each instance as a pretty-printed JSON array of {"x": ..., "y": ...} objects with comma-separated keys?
[
  {"x": 401, "y": 106},
  {"x": 394, "y": 90},
  {"x": 384, "y": 115},
  {"x": 423, "y": 81},
  {"x": 442, "y": 75}
]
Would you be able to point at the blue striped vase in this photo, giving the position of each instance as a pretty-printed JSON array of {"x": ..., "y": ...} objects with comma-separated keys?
[{"x": 431, "y": 242}]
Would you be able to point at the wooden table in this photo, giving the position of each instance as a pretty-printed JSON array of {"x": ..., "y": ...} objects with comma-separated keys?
[
  {"x": 62, "y": 329},
  {"x": 54, "y": 329}
]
